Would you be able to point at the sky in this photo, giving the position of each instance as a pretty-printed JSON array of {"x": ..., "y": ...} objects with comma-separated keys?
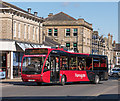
[{"x": 102, "y": 15}]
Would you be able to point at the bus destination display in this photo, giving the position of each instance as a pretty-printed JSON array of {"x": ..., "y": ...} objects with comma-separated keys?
[{"x": 36, "y": 51}]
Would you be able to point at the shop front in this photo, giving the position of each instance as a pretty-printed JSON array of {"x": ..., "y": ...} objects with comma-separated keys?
[
  {"x": 17, "y": 58},
  {"x": 11, "y": 53},
  {"x": 3, "y": 65}
]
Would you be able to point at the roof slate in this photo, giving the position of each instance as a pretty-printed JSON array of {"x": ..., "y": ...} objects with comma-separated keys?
[
  {"x": 60, "y": 17},
  {"x": 50, "y": 42},
  {"x": 8, "y": 5}
]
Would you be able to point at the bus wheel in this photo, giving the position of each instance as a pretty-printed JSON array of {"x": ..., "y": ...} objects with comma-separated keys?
[
  {"x": 39, "y": 83},
  {"x": 97, "y": 79},
  {"x": 63, "y": 80}
]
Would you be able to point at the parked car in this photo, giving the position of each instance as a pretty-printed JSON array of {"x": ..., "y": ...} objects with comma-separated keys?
[
  {"x": 2, "y": 74},
  {"x": 115, "y": 72}
]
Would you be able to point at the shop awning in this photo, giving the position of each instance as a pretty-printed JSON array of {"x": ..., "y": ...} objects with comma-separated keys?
[{"x": 23, "y": 46}]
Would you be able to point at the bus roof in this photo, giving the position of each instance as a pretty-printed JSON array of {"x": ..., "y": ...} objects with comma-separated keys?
[{"x": 73, "y": 53}]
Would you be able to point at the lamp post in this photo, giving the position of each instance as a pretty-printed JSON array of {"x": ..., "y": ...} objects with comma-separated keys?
[
  {"x": 98, "y": 46},
  {"x": 110, "y": 65}
]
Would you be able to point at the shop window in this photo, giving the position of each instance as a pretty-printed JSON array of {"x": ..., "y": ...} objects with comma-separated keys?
[
  {"x": 55, "y": 32},
  {"x": 17, "y": 58},
  {"x": 68, "y": 32},
  {"x": 3, "y": 60},
  {"x": 75, "y": 31},
  {"x": 49, "y": 32}
]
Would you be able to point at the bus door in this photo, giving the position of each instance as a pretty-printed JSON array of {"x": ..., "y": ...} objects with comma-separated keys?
[{"x": 54, "y": 68}]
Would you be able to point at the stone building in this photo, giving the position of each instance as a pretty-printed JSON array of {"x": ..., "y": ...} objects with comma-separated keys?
[
  {"x": 75, "y": 34},
  {"x": 98, "y": 44},
  {"x": 19, "y": 29},
  {"x": 109, "y": 49},
  {"x": 116, "y": 54}
]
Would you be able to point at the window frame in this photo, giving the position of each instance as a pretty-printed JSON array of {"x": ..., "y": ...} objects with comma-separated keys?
[
  {"x": 49, "y": 33},
  {"x": 67, "y": 32},
  {"x": 68, "y": 43},
  {"x": 55, "y": 32},
  {"x": 75, "y": 32}
]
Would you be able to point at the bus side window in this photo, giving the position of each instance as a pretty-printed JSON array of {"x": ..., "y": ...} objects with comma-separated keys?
[
  {"x": 81, "y": 63},
  {"x": 103, "y": 63},
  {"x": 73, "y": 63},
  {"x": 88, "y": 63},
  {"x": 63, "y": 63}
]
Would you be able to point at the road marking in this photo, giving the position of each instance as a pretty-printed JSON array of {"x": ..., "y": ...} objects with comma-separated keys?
[{"x": 106, "y": 90}]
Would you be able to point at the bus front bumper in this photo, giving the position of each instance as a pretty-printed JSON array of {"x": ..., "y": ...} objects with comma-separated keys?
[{"x": 31, "y": 78}]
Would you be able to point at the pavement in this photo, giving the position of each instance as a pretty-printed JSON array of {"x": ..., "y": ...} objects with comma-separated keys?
[
  {"x": 11, "y": 80},
  {"x": 19, "y": 79}
]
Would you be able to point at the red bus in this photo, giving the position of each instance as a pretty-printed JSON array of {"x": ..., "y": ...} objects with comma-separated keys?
[{"x": 47, "y": 65}]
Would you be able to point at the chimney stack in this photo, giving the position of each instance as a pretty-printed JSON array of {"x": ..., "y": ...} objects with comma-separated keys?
[
  {"x": 50, "y": 14},
  {"x": 35, "y": 13},
  {"x": 29, "y": 10},
  {"x": 114, "y": 43}
]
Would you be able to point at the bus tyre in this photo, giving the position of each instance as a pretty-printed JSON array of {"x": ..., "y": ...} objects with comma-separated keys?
[
  {"x": 63, "y": 80},
  {"x": 97, "y": 79},
  {"x": 39, "y": 83}
]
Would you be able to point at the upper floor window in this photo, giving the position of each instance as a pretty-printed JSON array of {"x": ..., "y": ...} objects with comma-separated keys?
[
  {"x": 74, "y": 44},
  {"x": 33, "y": 33},
  {"x": 75, "y": 47},
  {"x": 28, "y": 31},
  {"x": 49, "y": 32},
  {"x": 24, "y": 31},
  {"x": 67, "y": 31},
  {"x": 37, "y": 34},
  {"x": 55, "y": 32},
  {"x": 75, "y": 32},
  {"x": 14, "y": 29},
  {"x": 18, "y": 30},
  {"x": 67, "y": 44}
]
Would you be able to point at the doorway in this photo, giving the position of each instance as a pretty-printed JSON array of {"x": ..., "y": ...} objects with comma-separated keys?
[{"x": 54, "y": 68}]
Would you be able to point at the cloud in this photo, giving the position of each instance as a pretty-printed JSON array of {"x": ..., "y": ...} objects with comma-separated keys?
[{"x": 65, "y": 4}]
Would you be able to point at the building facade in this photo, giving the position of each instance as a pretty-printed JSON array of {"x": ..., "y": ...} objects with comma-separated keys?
[
  {"x": 69, "y": 32},
  {"x": 19, "y": 30},
  {"x": 98, "y": 44},
  {"x": 116, "y": 55},
  {"x": 103, "y": 46}
]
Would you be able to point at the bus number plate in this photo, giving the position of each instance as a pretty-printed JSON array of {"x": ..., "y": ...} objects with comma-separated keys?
[{"x": 31, "y": 80}]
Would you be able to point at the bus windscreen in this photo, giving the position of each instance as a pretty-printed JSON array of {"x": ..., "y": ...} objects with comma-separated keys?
[{"x": 36, "y": 52}]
